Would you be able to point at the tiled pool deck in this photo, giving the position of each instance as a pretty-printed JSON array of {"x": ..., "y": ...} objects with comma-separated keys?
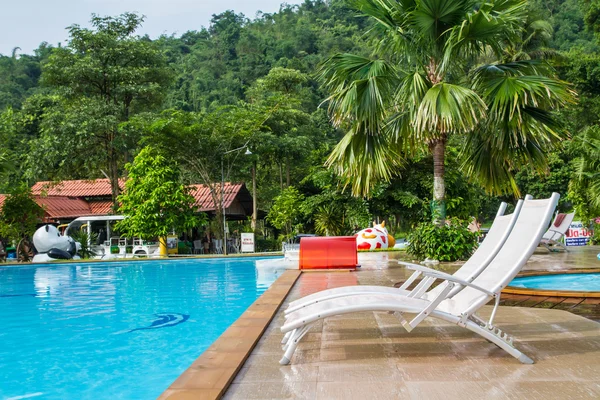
[{"x": 370, "y": 356}]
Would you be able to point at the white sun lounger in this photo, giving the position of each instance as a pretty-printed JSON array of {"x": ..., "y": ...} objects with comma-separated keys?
[
  {"x": 461, "y": 309},
  {"x": 484, "y": 254},
  {"x": 553, "y": 235}
]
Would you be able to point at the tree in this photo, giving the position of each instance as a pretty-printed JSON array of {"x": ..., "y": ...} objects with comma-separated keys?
[
  {"x": 199, "y": 142},
  {"x": 285, "y": 212},
  {"x": 584, "y": 188},
  {"x": 331, "y": 211},
  {"x": 20, "y": 214},
  {"x": 438, "y": 70},
  {"x": 102, "y": 77},
  {"x": 155, "y": 201}
]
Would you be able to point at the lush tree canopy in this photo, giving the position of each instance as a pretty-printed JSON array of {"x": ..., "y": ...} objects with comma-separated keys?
[
  {"x": 85, "y": 109},
  {"x": 155, "y": 201}
]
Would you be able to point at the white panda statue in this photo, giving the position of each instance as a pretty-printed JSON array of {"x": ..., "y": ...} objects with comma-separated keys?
[{"x": 51, "y": 245}]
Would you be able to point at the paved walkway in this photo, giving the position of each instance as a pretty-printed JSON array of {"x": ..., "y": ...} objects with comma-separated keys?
[{"x": 369, "y": 356}]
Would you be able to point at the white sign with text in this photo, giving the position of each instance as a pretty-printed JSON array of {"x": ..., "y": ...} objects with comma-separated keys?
[
  {"x": 247, "y": 242},
  {"x": 577, "y": 234}
]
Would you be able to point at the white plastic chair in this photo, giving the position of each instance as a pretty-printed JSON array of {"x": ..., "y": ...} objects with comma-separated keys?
[
  {"x": 461, "y": 308},
  {"x": 554, "y": 235},
  {"x": 198, "y": 247},
  {"x": 218, "y": 246}
]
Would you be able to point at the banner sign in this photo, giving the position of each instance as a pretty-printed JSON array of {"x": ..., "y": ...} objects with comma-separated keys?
[
  {"x": 247, "y": 242},
  {"x": 577, "y": 234},
  {"x": 172, "y": 241}
]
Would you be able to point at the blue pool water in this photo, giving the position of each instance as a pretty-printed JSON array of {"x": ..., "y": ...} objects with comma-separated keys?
[
  {"x": 573, "y": 282},
  {"x": 115, "y": 330}
]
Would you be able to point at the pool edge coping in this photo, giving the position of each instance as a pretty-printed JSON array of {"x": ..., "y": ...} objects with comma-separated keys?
[
  {"x": 209, "y": 376},
  {"x": 142, "y": 259},
  {"x": 553, "y": 293}
]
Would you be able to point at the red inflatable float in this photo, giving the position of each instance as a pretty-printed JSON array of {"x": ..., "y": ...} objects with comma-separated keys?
[{"x": 331, "y": 252}]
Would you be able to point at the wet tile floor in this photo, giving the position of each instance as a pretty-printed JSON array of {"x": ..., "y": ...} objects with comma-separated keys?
[{"x": 370, "y": 356}]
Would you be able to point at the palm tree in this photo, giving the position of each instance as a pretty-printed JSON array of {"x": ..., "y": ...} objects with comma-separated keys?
[{"x": 439, "y": 68}]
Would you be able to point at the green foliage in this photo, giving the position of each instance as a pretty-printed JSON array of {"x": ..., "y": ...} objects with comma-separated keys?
[
  {"x": 266, "y": 245},
  {"x": 241, "y": 80},
  {"x": 102, "y": 77},
  {"x": 595, "y": 239},
  {"x": 543, "y": 185},
  {"x": 155, "y": 201},
  {"x": 420, "y": 86},
  {"x": 449, "y": 242},
  {"x": 19, "y": 75},
  {"x": 20, "y": 214},
  {"x": 328, "y": 209},
  {"x": 85, "y": 240},
  {"x": 285, "y": 213},
  {"x": 584, "y": 189}
]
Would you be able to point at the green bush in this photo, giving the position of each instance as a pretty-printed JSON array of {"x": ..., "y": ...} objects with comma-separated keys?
[
  {"x": 85, "y": 239},
  {"x": 449, "y": 242},
  {"x": 595, "y": 239},
  {"x": 263, "y": 244}
]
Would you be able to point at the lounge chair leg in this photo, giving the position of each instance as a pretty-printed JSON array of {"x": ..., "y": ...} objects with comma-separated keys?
[
  {"x": 288, "y": 337},
  {"x": 547, "y": 246},
  {"x": 403, "y": 321},
  {"x": 563, "y": 246},
  {"x": 300, "y": 334},
  {"x": 292, "y": 343},
  {"x": 285, "y": 338},
  {"x": 499, "y": 338}
]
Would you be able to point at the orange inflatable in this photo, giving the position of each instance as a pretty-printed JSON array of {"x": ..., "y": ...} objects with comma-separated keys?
[{"x": 331, "y": 252}]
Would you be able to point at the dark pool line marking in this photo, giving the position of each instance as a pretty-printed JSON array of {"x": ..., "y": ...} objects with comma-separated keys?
[
  {"x": 19, "y": 295},
  {"x": 165, "y": 321}
]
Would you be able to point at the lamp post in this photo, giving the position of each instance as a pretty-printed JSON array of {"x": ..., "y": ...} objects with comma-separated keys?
[{"x": 247, "y": 153}]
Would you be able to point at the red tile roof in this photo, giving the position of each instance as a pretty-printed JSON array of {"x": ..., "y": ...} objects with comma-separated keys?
[
  {"x": 76, "y": 188},
  {"x": 70, "y": 199},
  {"x": 2, "y": 198},
  {"x": 57, "y": 207},
  {"x": 204, "y": 200},
  {"x": 102, "y": 207}
]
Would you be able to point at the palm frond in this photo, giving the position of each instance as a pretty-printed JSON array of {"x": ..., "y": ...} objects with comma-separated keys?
[
  {"x": 363, "y": 160},
  {"x": 517, "y": 105},
  {"x": 361, "y": 90},
  {"x": 388, "y": 13},
  {"x": 447, "y": 108},
  {"x": 491, "y": 25}
]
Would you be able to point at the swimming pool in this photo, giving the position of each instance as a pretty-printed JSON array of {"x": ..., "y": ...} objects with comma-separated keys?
[
  {"x": 584, "y": 282},
  {"x": 115, "y": 330}
]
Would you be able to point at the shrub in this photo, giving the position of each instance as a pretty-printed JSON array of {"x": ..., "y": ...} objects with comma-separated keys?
[
  {"x": 264, "y": 245},
  {"x": 85, "y": 239},
  {"x": 449, "y": 242},
  {"x": 595, "y": 239}
]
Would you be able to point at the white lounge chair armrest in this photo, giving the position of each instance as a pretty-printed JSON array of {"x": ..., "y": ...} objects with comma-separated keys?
[
  {"x": 454, "y": 279},
  {"x": 442, "y": 275},
  {"x": 425, "y": 269}
]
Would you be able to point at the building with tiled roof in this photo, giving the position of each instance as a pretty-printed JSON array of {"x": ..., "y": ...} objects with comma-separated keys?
[
  {"x": 75, "y": 188},
  {"x": 66, "y": 200}
]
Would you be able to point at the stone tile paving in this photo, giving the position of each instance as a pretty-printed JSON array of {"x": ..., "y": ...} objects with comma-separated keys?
[{"x": 370, "y": 356}]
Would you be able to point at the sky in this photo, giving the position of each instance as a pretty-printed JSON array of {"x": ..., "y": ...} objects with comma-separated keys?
[{"x": 27, "y": 23}]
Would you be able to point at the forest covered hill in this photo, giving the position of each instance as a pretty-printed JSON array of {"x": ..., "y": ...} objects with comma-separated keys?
[{"x": 270, "y": 63}]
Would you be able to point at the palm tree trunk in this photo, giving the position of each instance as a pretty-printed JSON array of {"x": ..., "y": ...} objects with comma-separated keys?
[{"x": 438, "y": 205}]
